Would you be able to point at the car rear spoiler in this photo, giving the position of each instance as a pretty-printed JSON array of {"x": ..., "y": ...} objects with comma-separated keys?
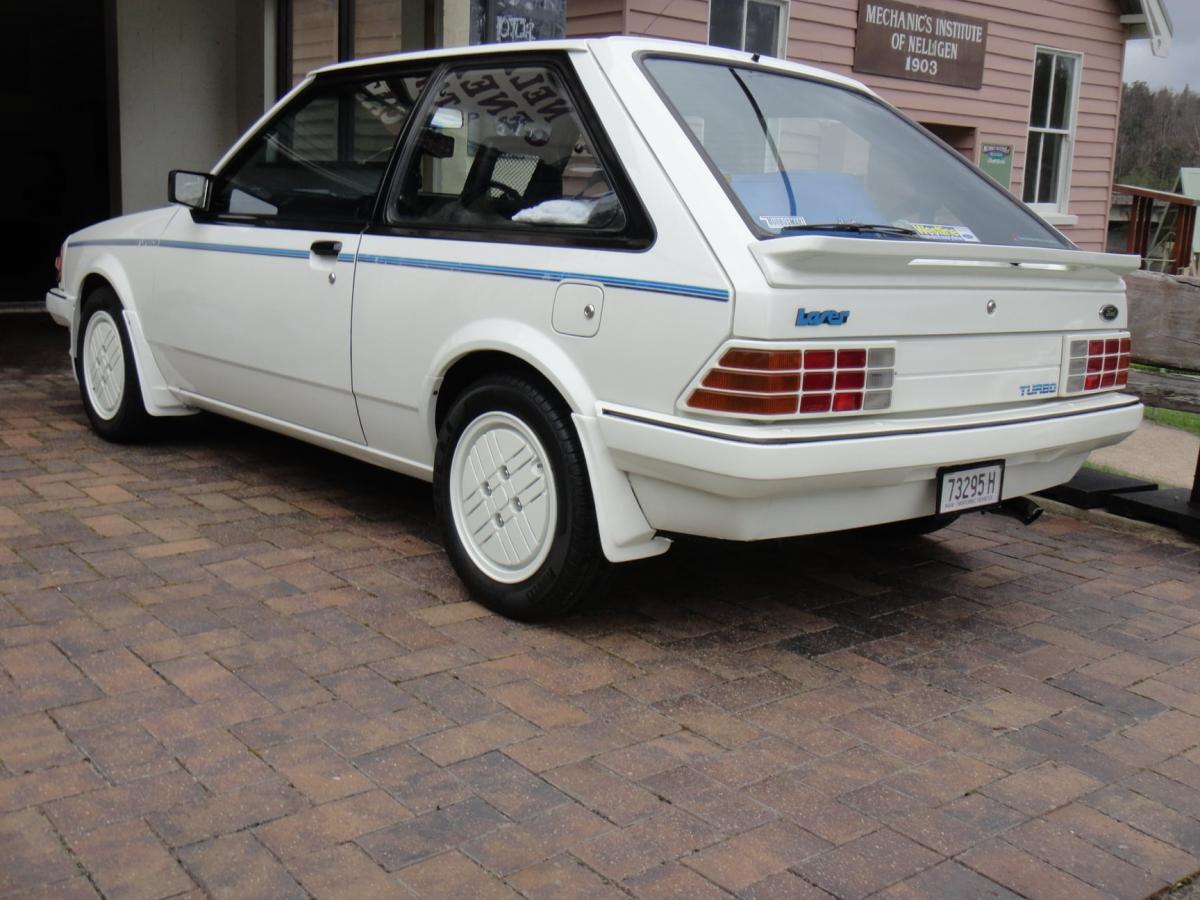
[{"x": 794, "y": 261}]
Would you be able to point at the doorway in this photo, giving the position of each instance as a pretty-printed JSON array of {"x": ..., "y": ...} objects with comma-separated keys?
[
  {"x": 56, "y": 86},
  {"x": 959, "y": 137}
]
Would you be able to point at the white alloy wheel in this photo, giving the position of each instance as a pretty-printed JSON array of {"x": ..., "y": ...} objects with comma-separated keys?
[
  {"x": 502, "y": 497},
  {"x": 512, "y": 494},
  {"x": 103, "y": 364}
]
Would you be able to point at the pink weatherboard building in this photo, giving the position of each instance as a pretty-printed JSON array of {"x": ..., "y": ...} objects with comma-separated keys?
[{"x": 1030, "y": 90}]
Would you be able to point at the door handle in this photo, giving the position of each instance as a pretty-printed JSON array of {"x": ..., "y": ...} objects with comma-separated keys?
[{"x": 326, "y": 248}]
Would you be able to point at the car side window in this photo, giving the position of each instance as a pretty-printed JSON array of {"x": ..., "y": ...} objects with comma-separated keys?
[
  {"x": 323, "y": 157},
  {"x": 505, "y": 148}
]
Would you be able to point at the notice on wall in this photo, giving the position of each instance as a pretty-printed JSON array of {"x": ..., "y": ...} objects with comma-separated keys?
[
  {"x": 996, "y": 160},
  {"x": 919, "y": 43}
]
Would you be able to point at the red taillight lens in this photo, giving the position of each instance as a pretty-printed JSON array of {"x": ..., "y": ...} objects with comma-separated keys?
[
  {"x": 820, "y": 359},
  {"x": 847, "y": 402},
  {"x": 815, "y": 403},
  {"x": 762, "y": 382},
  {"x": 1097, "y": 364},
  {"x": 818, "y": 381},
  {"x": 58, "y": 266}
]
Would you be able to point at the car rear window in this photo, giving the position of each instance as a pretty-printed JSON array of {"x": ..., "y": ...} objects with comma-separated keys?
[{"x": 798, "y": 155}]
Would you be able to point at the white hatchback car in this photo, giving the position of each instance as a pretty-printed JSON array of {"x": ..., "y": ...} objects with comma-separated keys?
[{"x": 600, "y": 292}]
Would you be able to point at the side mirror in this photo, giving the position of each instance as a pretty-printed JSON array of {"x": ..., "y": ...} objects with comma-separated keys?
[
  {"x": 439, "y": 146},
  {"x": 189, "y": 188}
]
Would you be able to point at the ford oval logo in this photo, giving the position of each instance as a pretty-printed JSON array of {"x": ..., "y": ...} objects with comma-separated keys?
[{"x": 822, "y": 317}]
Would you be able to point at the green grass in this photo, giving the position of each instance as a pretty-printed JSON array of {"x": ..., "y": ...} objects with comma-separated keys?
[
  {"x": 1184, "y": 421},
  {"x": 1163, "y": 370},
  {"x": 1109, "y": 469}
]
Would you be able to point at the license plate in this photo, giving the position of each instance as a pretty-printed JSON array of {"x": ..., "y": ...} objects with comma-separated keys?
[{"x": 969, "y": 487}]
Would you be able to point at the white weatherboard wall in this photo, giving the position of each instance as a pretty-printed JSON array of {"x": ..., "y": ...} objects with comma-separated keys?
[{"x": 191, "y": 77}]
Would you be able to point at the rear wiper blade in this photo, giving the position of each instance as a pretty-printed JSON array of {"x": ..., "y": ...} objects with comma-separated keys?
[{"x": 853, "y": 227}]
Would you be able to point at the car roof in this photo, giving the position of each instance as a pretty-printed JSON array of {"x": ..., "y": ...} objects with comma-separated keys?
[{"x": 623, "y": 45}]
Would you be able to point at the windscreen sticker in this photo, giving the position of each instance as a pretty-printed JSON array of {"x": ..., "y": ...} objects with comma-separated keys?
[
  {"x": 777, "y": 223},
  {"x": 955, "y": 233}
]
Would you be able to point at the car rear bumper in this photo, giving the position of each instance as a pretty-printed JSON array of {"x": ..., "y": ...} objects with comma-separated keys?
[{"x": 747, "y": 483}]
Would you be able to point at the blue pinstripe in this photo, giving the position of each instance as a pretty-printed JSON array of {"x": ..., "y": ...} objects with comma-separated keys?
[{"x": 613, "y": 281}]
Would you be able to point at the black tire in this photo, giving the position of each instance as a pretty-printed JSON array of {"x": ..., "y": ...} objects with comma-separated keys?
[
  {"x": 123, "y": 418},
  {"x": 568, "y": 561},
  {"x": 915, "y": 527}
]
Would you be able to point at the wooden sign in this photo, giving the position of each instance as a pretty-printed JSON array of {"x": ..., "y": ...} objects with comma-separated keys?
[{"x": 920, "y": 44}]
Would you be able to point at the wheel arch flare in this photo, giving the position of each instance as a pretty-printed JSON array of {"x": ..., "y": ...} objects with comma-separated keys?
[{"x": 475, "y": 352}]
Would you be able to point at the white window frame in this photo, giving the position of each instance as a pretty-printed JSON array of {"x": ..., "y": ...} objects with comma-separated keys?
[
  {"x": 1056, "y": 213},
  {"x": 785, "y": 12}
]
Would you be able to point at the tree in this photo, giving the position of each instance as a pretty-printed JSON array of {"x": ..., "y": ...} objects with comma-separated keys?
[{"x": 1159, "y": 133}]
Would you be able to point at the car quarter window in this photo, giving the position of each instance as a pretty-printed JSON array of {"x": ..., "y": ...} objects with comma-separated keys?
[
  {"x": 321, "y": 160},
  {"x": 505, "y": 149}
]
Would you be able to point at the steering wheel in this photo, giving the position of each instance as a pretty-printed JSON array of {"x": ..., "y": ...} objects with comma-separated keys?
[{"x": 506, "y": 191}]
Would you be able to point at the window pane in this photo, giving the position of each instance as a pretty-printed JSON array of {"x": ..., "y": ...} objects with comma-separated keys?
[
  {"x": 1051, "y": 167},
  {"x": 380, "y": 109},
  {"x": 324, "y": 156},
  {"x": 725, "y": 23},
  {"x": 1064, "y": 85},
  {"x": 376, "y": 27},
  {"x": 1032, "y": 164},
  {"x": 1042, "y": 72},
  {"x": 505, "y": 148},
  {"x": 314, "y": 35},
  {"x": 762, "y": 28},
  {"x": 796, "y": 152}
]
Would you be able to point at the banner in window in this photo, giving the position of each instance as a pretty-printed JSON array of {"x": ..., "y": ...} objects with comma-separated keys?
[{"x": 505, "y": 21}]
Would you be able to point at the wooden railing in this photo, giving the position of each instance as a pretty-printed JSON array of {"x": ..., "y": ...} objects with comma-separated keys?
[{"x": 1141, "y": 225}]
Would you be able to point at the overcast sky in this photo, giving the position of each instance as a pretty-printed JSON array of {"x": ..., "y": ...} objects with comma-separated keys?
[{"x": 1182, "y": 65}]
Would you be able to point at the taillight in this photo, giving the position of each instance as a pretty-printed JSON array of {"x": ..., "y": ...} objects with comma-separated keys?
[
  {"x": 1097, "y": 362},
  {"x": 749, "y": 381},
  {"x": 58, "y": 266}
]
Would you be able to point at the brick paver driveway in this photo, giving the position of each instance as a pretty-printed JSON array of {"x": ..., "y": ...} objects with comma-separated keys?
[{"x": 233, "y": 664}]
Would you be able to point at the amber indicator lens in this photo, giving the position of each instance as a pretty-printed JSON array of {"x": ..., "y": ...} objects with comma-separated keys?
[
  {"x": 762, "y": 360},
  {"x": 743, "y": 404}
]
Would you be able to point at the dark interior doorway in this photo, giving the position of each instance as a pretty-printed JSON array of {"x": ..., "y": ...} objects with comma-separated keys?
[
  {"x": 959, "y": 137},
  {"x": 56, "y": 102}
]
